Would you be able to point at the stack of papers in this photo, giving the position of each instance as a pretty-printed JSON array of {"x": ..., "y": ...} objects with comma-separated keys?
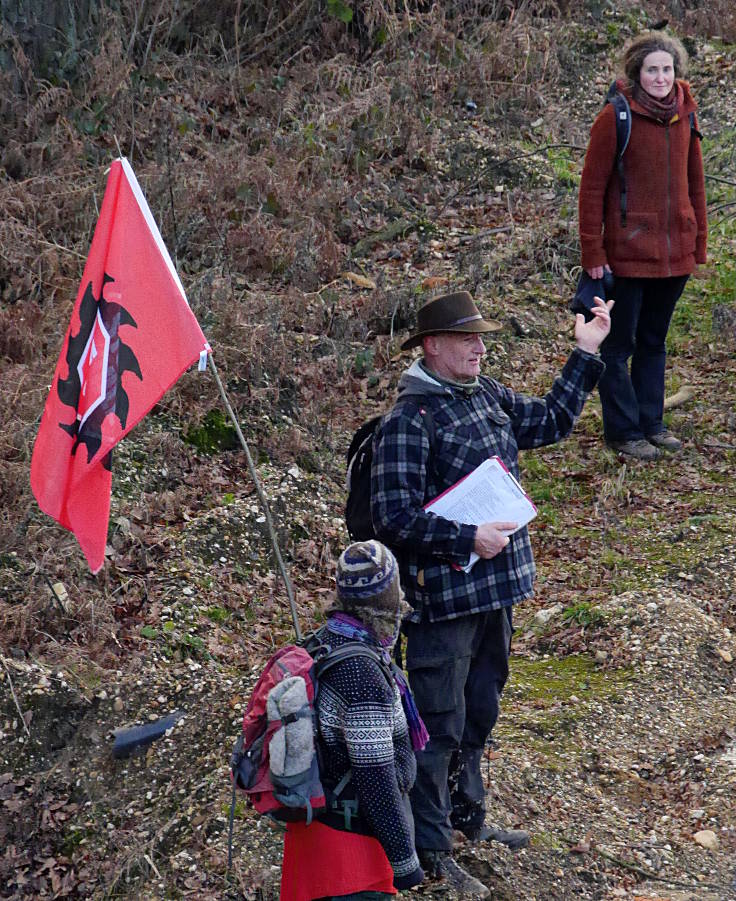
[{"x": 489, "y": 493}]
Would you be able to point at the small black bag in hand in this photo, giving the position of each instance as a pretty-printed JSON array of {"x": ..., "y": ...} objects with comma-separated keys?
[{"x": 588, "y": 288}]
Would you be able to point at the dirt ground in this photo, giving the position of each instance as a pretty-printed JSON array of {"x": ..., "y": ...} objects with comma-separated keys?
[{"x": 620, "y": 759}]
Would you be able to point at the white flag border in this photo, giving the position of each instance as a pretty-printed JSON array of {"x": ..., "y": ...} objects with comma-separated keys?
[{"x": 151, "y": 222}]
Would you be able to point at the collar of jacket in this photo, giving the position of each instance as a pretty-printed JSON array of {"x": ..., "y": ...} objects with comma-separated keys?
[
  {"x": 688, "y": 102},
  {"x": 463, "y": 387}
]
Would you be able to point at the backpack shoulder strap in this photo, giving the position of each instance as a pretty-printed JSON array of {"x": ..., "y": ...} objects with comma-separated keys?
[
  {"x": 314, "y": 642},
  {"x": 348, "y": 651},
  {"x": 693, "y": 129},
  {"x": 348, "y": 808},
  {"x": 428, "y": 420},
  {"x": 622, "y": 110},
  {"x": 622, "y": 116},
  {"x": 426, "y": 414}
]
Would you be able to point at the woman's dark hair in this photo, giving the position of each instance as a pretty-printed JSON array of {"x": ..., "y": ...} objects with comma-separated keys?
[{"x": 652, "y": 42}]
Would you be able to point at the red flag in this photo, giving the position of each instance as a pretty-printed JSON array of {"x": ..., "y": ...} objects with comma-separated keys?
[{"x": 131, "y": 336}]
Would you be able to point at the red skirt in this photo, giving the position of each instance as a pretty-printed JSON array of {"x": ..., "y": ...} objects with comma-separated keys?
[{"x": 320, "y": 861}]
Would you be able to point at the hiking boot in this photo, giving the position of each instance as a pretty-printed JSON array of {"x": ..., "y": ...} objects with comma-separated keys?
[
  {"x": 442, "y": 866},
  {"x": 665, "y": 440},
  {"x": 515, "y": 839},
  {"x": 639, "y": 448}
]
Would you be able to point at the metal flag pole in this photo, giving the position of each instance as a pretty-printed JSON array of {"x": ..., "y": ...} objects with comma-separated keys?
[{"x": 261, "y": 497}]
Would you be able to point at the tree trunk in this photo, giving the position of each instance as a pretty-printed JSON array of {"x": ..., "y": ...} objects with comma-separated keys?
[{"x": 50, "y": 33}]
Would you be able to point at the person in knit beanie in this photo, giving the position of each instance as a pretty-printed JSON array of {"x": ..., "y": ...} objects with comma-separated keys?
[
  {"x": 362, "y": 847},
  {"x": 368, "y": 588}
]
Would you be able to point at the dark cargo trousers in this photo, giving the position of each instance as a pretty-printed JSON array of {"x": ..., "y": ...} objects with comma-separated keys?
[{"x": 457, "y": 670}]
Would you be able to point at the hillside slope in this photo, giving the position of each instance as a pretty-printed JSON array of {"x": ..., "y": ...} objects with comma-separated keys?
[{"x": 311, "y": 204}]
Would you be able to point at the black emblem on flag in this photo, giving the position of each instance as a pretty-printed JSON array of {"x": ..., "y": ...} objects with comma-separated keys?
[{"x": 96, "y": 359}]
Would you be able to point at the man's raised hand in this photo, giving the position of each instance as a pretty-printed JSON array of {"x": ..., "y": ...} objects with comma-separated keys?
[{"x": 589, "y": 335}]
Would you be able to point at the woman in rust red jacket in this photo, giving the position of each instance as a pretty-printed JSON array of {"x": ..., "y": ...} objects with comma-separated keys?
[{"x": 651, "y": 248}]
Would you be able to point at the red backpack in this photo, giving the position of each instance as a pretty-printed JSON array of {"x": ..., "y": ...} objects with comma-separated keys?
[{"x": 281, "y": 716}]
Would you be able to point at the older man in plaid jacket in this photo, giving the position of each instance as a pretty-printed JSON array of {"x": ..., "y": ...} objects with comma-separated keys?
[{"x": 459, "y": 633}]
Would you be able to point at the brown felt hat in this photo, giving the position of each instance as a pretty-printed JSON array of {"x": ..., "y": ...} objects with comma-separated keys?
[{"x": 449, "y": 313}]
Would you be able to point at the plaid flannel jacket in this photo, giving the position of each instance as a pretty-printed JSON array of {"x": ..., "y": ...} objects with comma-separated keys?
[{"x": 470, "y": 426}]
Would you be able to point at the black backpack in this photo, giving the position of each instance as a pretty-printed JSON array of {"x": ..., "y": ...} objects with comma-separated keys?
[
  {"x": 358, "y": 479},
  {"x": 623, "y": 133}
]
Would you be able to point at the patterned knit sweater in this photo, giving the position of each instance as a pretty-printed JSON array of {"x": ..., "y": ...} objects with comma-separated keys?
[{"x": 363, "y": 727}]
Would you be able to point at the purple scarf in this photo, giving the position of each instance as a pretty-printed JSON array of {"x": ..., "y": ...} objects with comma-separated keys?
[{"x": 343, "y": 624}]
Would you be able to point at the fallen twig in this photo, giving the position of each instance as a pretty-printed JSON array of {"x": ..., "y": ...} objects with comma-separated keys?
[
  {"x": 722, "y": 206},
  {"x": 719, "y": 444},
  {"x": 719, "y": 178},
  {"x": 15, "y": 698},
  {"x": 495, "y": 164},
  {"x": 486, "y": 232},
  {"x": 140, "y": 853},
  {"x": 151, "y": 864},
  {"x": 398, "y": 227},
  {"x": 686, "y": 393},
  {"x": 647, "y": 874}
]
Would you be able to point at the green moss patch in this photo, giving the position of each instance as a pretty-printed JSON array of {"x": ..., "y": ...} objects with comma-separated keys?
[
  {"x": 216, "y": 433},
  {"x": 550, "y": 700}
]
